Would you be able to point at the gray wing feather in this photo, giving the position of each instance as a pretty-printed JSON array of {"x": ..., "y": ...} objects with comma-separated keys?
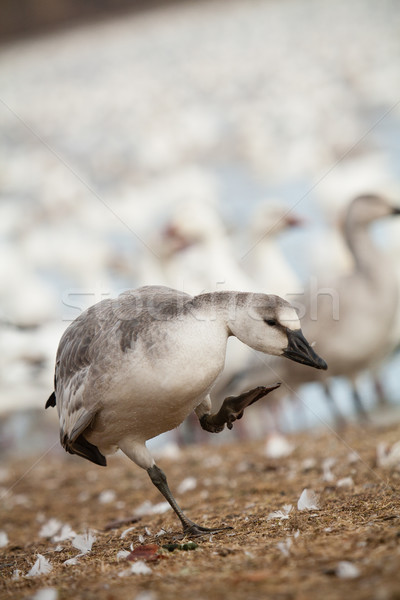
[{"x": 107, "y": 329}]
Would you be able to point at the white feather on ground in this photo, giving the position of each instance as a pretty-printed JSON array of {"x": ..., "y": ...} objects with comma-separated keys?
[
  {"x": 41, "y": 567},
  {"x": 3, "y": 539},
  {"x": 308, "y": 500}
]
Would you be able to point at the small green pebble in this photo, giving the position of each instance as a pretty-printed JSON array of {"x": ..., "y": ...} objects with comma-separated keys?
[
  {"x": 171, "y": 547},
  {"x": 189, "y": 546}
]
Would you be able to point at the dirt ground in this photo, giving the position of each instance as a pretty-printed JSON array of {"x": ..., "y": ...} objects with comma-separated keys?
[{"x": 300, "y": 556}]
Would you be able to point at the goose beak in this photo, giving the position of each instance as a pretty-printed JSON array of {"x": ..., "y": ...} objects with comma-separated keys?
[
  {"x": 300, "y": 350},
  {"x": 294, "y": 221}
]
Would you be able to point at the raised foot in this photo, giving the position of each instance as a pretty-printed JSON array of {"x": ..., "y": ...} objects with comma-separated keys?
[
  {"x": 193, "y": 530},
  {"x": 233, "y": 408}
]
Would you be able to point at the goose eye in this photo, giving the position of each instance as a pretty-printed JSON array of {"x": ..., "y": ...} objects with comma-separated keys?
[{"x": 270, "y": 322}]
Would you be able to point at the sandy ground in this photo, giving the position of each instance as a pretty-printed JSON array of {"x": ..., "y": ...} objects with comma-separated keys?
[{"x": 300, "y": 556}]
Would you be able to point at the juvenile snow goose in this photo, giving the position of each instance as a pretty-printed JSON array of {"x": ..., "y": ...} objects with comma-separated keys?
[{"x": 131, "y": 368}]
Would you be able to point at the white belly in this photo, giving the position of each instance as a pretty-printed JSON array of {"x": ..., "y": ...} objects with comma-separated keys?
[{"x": 153, "y": 393}]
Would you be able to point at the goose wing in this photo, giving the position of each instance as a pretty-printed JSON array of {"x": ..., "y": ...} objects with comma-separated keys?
[
  {"x": 90, "y": 346},
  {"x": 76, "y": 358}
]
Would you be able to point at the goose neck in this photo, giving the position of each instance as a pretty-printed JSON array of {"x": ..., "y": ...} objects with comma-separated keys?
[
  {"x": 366, "y": 255},
  {"x": 221, "y": 307}
]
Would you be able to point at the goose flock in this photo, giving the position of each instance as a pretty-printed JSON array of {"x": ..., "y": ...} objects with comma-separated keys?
[
  {"x": 352, "y": 318},
  {"x": 131, "y": 368},
  {"x": 144, "y": 157}
]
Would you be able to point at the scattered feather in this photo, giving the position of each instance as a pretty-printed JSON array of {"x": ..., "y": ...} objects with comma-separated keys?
[
  {"x": 50, "y": 528},
  {"x": 188, "y": 484},
  {"x": 308, "y": 464},
  {"x": 347, "y": 570},
  {"x": 353, "y": 457},
  {"x": 73, "y": 561},
  {"x": 308, "y": 500},
  {"x": 345, "y": 482},
  {"x": 3, "y": 539},
  {"x": 277, "y": 446},
  {"x": 107, "y": 496},
  {"x": 58, "y": 548},
  {"x": 161, "y": 532},
  {"x": 125, "y": 532},
  {"x": 146, "y": 595},
  {"x": 140, "y": 539},
  {"x": 122, "y": 554},
  {"x": 140, "y": 568},
  {"x": 16, "y": 574},
  {"x": 66, "y": 533},
  {"x": 137, "y": 568},
  {"x": 84, "y": 542},
  {"x": 22, "y": 500},
  {"x": 147, "y": 508},
  {"x": 215, "y": 460},
  {"x": 281, "y": 514},
  {"x": 388, "y": 457},
  {"x": 327, "y": 465},
  {"x": 285, "y": 546},
  {"x": 46, "y": 594},
  {"x": 41, "y": 567}
]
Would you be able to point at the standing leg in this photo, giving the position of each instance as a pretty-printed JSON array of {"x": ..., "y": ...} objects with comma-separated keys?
[
  {"x": 360, "y": 410},
  {"x": 142, "y": 457},
  {"x": 380, "y": 392},
  {"x": 159, "y": 479},
  {"x": 340, "y": 421}
]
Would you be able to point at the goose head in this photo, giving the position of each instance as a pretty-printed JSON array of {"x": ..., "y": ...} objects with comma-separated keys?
[
  {"x": 271, "y": 325},
  {"x": 272, "y": 218},
  {"x": 365, "y": 209},
  {"x": 193, "y": 224}
]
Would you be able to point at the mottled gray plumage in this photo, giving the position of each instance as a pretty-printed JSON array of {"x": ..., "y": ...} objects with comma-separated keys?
[{"x": 131, "y": 368}]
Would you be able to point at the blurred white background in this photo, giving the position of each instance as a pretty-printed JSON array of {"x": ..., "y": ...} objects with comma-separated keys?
[{"x": 117, "y": 134}]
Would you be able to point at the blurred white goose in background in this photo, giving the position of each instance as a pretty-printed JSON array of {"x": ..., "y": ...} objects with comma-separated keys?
[
  {"x": 198, "y": 252},
  {"x": 352, "y": 318},
  {"x": 264, "y": 260},
  {"x": 200, "y": 256},
  {"x": 270, "y": 271},
  {"x": 36, "y": 304},
  {"x": 197, "y": 256},
  {"x": 329, "y": 252}
]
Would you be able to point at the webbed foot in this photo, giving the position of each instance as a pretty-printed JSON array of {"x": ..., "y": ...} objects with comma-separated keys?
[
  {"x": 191, "y": 529},
  {"x": 233, "y": 408}
]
